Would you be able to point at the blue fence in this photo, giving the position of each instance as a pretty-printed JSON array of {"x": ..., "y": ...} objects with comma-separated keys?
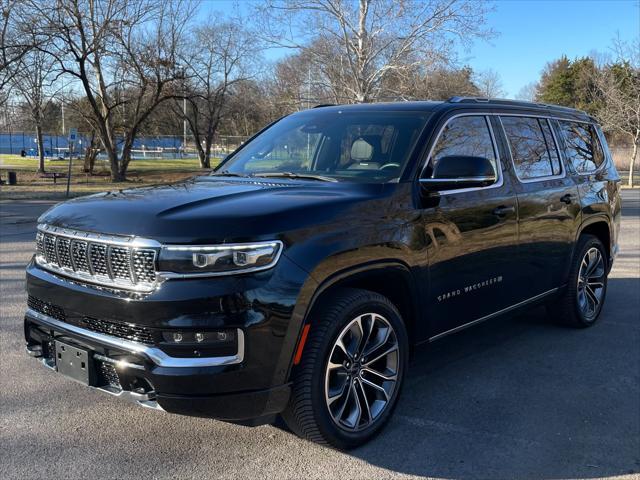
[{"x": 25, "y": 143}]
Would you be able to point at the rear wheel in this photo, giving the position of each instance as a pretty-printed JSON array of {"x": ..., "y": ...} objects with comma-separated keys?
[
  {"x": 583, "y": 298},
  {"x": 349, "y": 379}
]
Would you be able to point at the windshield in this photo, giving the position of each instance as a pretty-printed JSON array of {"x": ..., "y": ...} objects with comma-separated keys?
[{"x": 331, "y": 145}]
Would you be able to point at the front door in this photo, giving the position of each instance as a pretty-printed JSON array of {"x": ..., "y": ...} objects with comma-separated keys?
[{"x": 472, "y": 233}]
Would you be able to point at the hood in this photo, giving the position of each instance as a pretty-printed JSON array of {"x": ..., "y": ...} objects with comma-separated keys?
[{"x": 212, "y": 209}]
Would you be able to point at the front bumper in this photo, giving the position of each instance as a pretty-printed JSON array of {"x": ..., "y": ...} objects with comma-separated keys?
[
  {"x": 137, "y": 368},
  {"x": 250, "y": 384}
]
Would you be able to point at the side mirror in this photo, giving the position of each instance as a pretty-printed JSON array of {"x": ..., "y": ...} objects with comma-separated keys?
[{"x": 458, "y": 171}]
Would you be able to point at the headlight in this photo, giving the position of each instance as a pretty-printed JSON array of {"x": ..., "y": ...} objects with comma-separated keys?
[{"x": 211, "y": 260}]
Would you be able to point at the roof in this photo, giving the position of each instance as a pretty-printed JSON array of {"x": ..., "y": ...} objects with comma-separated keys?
[{"x": 464, "y": 102}]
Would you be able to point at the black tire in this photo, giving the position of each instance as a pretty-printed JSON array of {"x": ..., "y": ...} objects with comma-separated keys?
[
  {"x": 570, "y": 309},
  {"x": 308, "y": 414}
]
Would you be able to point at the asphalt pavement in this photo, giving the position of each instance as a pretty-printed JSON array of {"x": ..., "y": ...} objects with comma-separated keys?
[{"x": 512, "y": 398}]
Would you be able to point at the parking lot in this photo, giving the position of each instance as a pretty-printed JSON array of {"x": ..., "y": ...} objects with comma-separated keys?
[{"x": 513, "y": 398}]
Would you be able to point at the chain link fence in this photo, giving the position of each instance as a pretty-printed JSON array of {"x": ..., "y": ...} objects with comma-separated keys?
[{"x": 144, "y": 147}]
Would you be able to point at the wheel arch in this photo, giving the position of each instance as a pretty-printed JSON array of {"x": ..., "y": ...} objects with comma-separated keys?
[
  {"x": 392, "y": 279},
  {"x": 600, "y": 227}
]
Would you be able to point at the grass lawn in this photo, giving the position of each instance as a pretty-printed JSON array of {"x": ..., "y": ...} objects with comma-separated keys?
[{"x": 140, "y": 173}]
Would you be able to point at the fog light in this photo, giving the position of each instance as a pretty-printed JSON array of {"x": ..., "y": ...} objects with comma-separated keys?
[{"x": 186, "y": 338}]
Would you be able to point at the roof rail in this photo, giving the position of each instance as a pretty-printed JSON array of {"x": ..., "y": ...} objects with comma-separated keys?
[
  {"x": 503, "y": 101},
  {"x": 324, "y": 105}
]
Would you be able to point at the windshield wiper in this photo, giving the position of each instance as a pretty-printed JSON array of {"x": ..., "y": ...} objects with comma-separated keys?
[
  {"x": 296, "y": 175},
  {"x": 227, "y": 173}
]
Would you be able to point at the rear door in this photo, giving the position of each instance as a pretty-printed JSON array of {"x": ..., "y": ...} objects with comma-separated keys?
[
  {"x": 548, "y": 203},
  {"x": 471, "y": 233}
]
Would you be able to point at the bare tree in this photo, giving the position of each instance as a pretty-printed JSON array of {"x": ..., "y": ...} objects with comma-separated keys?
[
  {"x": 14, "y": 43},
  {"x": 528, "y": 93},
  {"x": 357, "y": 45},
  {"x": 618, "y": 86},
  {"x": 123, "y": 55},
  {"x": 34, "y": 79},
  {"x": 489, "y": 83},
  {"x": 220, "y": 56}
]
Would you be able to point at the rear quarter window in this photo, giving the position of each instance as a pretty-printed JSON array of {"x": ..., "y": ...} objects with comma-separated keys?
[{"x": 582, "y": 146}]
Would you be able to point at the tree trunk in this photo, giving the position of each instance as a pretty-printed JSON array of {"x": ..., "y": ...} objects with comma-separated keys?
[
  {"x": 634, "y": 154},
  {"x": 201, "y": 153},
  {"x": 90, "y": 155},
  {"x": 113, "y": 165},
  {"x": 40, "y": 141},
  {"x": 125, "y": 159},
  {"x": 207, "y": 151},
  {"x": 108, "y": 139}
]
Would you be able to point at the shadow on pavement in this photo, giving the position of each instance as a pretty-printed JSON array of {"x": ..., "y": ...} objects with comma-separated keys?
[{"x": 523, "y": 398}]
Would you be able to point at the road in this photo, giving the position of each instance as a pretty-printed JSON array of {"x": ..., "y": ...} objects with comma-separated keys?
[{"x": 513, "y": 398}]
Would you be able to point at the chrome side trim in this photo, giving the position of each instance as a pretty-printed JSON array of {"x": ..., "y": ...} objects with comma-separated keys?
[
  {"x": 152, "y": 354},
  {"x": 492, "y": 315},
  {"x": 536, "y": 115},
  {"x": 457, "y": 180}
]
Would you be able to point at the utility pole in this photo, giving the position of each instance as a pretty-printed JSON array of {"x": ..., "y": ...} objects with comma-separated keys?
[
  {"x": 62, "y": 108},
  {"x": 184, "y": 124},
  {"x": 183, "y": 74},
  {"x": 309, "y": 89}
]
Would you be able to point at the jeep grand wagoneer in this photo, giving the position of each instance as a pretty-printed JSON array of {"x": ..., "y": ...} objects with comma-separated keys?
[{"x": 296, "y": 278}]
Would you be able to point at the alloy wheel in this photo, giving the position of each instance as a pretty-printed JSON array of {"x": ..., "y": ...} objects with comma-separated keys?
[
  {"x": 362, "y": 372},
  {"x": 591, "y": 280}
]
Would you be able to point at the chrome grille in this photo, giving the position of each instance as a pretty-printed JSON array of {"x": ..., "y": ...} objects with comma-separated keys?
[
  {"x": 102, "y": 259},
  {"x": 64, "y": 253},
  {"x": 120, "y": 262},
  {"x": 98, "y": 259},
  {"x": 79, "y": 255},
  {"x": 143, "y": 261},
  {"x": 50, "y": 249}
]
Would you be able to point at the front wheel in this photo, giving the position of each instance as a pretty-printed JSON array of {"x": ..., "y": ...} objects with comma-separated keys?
[
  {"x": 353, "y": 364},
  {"x": 583, "y": 298}
]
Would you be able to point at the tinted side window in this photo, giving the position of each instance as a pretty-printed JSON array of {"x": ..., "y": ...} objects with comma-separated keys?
[
  {"x": 532, "y": 147},
  {"x": 583, "y": 147},
  {"x": 467, "y": 136}
]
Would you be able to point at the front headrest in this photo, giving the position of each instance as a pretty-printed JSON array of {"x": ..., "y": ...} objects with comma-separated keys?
[{"x": 361, "y": 151}]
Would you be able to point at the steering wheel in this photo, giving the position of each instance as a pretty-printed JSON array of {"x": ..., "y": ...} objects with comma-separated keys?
[{"x": 390, "y": 165}]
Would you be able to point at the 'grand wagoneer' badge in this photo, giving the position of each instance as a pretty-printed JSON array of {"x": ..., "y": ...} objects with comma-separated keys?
[{"x": 469, "y": 288}]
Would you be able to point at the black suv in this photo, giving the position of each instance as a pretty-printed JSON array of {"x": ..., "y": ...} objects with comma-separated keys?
[{"x": 296, "y": 279}]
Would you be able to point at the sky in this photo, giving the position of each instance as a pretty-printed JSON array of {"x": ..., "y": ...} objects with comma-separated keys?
[{"x": 530, "y": 33}]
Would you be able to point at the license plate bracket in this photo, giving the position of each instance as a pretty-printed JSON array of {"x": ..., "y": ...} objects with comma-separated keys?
[{"x": 75, "y": 363}]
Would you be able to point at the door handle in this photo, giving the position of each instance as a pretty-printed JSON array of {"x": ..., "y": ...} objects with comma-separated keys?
[
  {"x": 568, "y": 198},
  {"x": 502, "y": 210}
]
